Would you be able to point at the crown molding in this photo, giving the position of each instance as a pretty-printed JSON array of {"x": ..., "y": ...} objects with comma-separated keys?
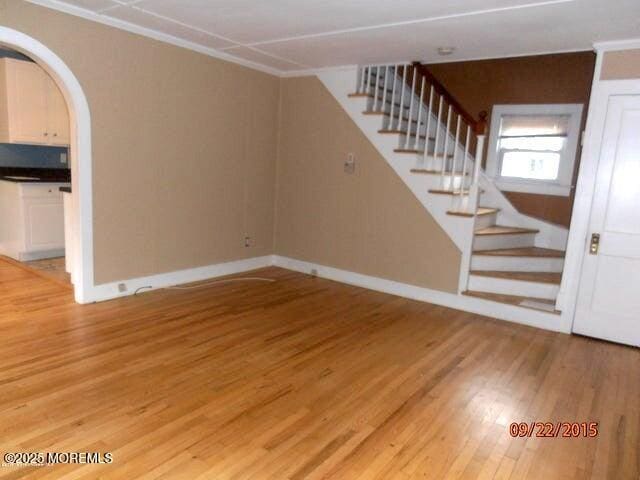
[
  {"x": 629, "y": 44},
  {"x": 154, "y": 34}
]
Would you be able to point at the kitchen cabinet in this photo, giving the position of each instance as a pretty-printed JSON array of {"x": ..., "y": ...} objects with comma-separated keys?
[
  {"x": 32, "y": 220},
  {"x": 32, "y": 107}
]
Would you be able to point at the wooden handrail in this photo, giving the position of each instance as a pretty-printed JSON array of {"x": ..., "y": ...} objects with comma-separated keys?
[{"x": 479, "y": 126}]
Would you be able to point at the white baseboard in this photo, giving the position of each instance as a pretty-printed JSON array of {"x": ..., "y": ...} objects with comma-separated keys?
[
  {"x": 478, "y": 306},
  {"x": 41, "y": 255},
  {"x": 110, "y": 291},
  {"x": 510, "y": 313}
]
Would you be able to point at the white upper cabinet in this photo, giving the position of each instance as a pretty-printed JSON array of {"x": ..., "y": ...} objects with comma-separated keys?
[{"x": 32, "y": 108}]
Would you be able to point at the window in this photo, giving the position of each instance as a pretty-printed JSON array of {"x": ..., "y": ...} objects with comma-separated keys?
[{"x": 532, "y": 148}]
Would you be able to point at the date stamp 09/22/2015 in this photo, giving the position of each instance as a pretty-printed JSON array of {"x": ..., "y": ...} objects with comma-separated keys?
[{"x": 554, "y": 429}]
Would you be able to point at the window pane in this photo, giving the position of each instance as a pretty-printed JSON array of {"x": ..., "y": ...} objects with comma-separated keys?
[
  {"x": 530, "y": 165},
  {"x": 520, "y": 125},
  {"x": 555, "y": 144}
]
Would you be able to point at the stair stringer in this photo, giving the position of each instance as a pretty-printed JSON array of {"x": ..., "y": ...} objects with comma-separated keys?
[
  {"x": 550, "y": 236},
  {"x": 340, "y": 83}
]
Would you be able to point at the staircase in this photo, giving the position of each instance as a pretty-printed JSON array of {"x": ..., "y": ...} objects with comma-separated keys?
[{"x": 436, "y": 147}]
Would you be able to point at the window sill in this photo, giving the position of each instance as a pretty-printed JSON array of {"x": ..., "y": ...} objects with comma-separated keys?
[{"x": 553, "y": 189}]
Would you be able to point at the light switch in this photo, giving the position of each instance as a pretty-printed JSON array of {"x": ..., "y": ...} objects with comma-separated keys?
[
  {"x": 63, "y": 157},
  {"x": 350, "y": 164}
]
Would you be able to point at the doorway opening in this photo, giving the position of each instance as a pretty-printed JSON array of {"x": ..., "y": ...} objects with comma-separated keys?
[{"x": 79, "y": 244}]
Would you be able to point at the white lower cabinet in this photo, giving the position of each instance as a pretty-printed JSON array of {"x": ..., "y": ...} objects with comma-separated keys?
[{"x": 31, "y": 220}]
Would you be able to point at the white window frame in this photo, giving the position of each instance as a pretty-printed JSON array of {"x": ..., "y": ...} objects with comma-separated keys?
[{"x": 562, "y": 186}]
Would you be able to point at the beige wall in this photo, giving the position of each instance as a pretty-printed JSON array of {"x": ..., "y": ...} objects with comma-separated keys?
[
  {"x": 368, "y": 222},
  {"x": 184, "y": 146},
  {"x": 621, "y": 65}
]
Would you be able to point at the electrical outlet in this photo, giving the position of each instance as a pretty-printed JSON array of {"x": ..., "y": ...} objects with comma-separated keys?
[
  {"x": 247, "y": 242},
  {"x": 350, "y": 164},
  {"x": 122, "y": 287},
  {"x": 63, "y": 158},
  {"x": 314, "y": 272}
]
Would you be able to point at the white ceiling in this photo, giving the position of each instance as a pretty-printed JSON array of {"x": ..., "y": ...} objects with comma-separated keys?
[{"x": 289, "y": 35}]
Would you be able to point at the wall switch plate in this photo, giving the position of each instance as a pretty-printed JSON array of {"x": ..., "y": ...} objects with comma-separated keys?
[
  {"x": 350, "y": 164},
  {"x": 63, "y": 158}
]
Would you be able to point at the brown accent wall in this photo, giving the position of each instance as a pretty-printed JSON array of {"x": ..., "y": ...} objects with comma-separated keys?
[
  {"x": 621, "y": 65},
  {"x": 184, "y": 146},
  {"x": 368, "y": 222},
  {"x": 558, "y": 78}
]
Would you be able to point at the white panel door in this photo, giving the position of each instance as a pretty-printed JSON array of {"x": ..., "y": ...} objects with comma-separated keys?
[{"x": 609, "y": 297}]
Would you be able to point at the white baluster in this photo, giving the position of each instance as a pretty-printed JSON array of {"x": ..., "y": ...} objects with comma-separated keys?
[
  {"x": 360, "y": 87},
  {"x": 416, "y": 141},
  {"x": 401, "y": 110},
  {"x": 478, "y": 159},
  {"x": 446, "y": 144},
  {"x": 368, "y": 79},
  {"x": 384, "y": 86},
  {"x": 393, "y": 97},
  {"x": 438, "y": 123},
  {"x": 455, "y": 154},
  {"x": 376, "y": 98},
  {"x": 412, "y": 93},
  {"x": 429, "y": 113},
  {"x": 464, "y": 160}
]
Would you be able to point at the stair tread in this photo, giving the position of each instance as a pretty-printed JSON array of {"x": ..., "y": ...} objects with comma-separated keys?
[
  {"x": 479, "y": 211},
  {"x": 438, "y": 191},
  {"x": 486, "y": 210},
  {"x": 504, "y": 230},
  {"x": 387, "y": 114},
  {"x": 522, "y": 252},
  {"x": 515, "y": 300},
  {"x": 539, "y": 277},
  {"x": 416, "y": 151},
  {"x": 402, "y": 132},
  {"x": 428, "y": 171}
]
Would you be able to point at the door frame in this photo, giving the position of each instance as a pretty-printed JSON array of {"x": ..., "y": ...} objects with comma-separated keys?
[
  {"x": 585, "y": 187},
  {"x": 80, "y": 153}
]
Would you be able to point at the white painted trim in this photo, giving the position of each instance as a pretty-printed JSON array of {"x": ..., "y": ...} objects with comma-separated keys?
[
  {"x": 629, "y": 44},
  {"x": 510, "y": 313},
  {"x": 154, "y": 34},
  {"x": 577, "y": 244},
  {"x": 80, "y": 148},
  {"x": 110, "y": 290},
  {"x": 542, "y": 188},
  {"x": 317, "y": 71},
  {"x": 560, "y": 187}
]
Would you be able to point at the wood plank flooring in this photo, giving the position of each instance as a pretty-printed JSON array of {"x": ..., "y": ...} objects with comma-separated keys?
[{"x": 298, "y": 379}]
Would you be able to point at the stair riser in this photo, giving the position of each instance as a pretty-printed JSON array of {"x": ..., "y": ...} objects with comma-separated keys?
[
  {"x": 494, "y": 242},
  {"x": 516, "y": 264},
  {"x": 513, "y": 287},
  {"x": 484, "y": 221}
]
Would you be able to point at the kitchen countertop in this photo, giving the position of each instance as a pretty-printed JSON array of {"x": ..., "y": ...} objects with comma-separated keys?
[{"x": 35, "y": 175}]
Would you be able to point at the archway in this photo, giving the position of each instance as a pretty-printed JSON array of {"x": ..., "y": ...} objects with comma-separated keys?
[{"x": 80, "y": 152}]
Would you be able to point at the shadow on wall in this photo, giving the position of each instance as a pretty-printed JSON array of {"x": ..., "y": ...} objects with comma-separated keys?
[{"x": 32, "y": 156}]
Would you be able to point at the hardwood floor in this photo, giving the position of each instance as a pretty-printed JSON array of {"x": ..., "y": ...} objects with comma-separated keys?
[{"x": 302, "y": 378}]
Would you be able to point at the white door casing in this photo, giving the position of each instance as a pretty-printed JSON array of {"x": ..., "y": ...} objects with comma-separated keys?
[{"x": 608, "y": 304}]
